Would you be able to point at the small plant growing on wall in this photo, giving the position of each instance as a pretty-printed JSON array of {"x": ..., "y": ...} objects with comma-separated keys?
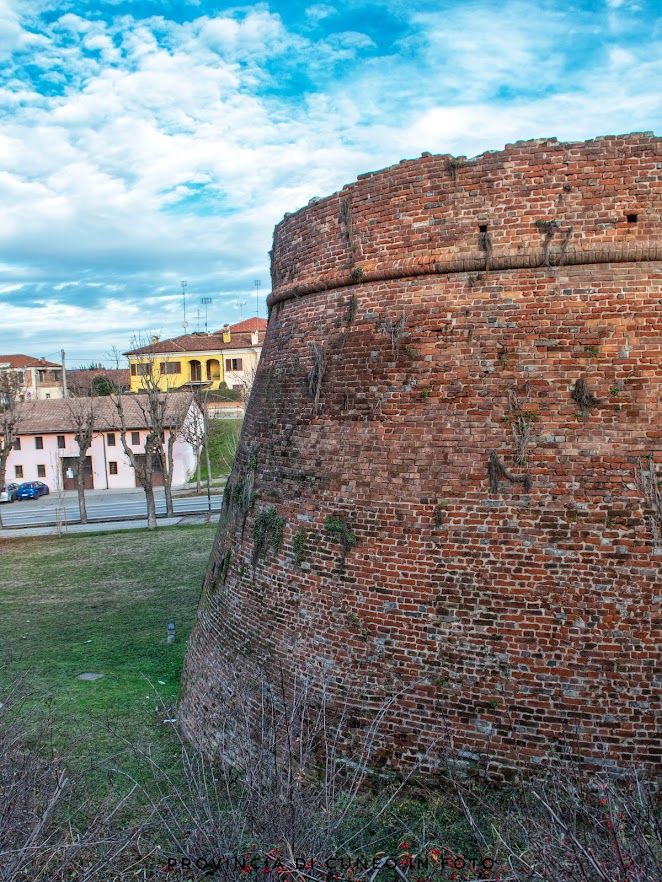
[
  {"x": 649, "y": 485},
  {"x": 584, "y": 398},
  {"x": 547, "y": 228},
  {"x": 352, "y": 306},
  {"x": 395, "y": 329},
  {"x": 242, "y": 495},
  {"x": 267, "y": 533},
  {"x": 347, "y": 226},
  {"x": 521, "y": 421},
  {"x": 340, "y": 532},
  {"x": 496, "y": 472},
  {"x": 298, "y": 546},
  {"x": 455, "y": 165},
  {"x": 316, "y": 376}
]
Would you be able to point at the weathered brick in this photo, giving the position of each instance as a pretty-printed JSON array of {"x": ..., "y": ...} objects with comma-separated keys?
[{"x": 444, "y": 344}]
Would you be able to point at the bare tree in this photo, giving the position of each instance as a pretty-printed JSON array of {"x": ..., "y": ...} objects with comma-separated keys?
[
  {"x": 83, "y": 412},
  {"x": 163, "y": 413},
  {"x": 193, "y": 431},
  {"x": 144, "y": 465},
  {"x": 10, "y": 417},
  {"x": 242, "y": 381}
]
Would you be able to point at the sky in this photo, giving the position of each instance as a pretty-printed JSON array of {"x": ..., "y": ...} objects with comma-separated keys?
[{"x": 144, "y": 143}]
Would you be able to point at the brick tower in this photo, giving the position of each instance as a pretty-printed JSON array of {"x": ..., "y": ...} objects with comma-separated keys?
[{"x": 449, "y": 476}]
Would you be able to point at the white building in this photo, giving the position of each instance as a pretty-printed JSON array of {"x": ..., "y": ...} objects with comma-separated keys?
[
  {"x": 46, "y": 449},
  {"x": 36, "y": 378}
]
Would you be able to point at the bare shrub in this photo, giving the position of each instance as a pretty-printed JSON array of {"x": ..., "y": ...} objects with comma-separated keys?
[
  {"x": 578, "y": 829},
  {"x": 38, "y": 840},
  {"x": 291, "y": 775}
]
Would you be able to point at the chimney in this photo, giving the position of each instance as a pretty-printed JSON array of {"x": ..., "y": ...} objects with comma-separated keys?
[
  {"x": 227, "y": 336},
  {"x": 155, "y": 340},
  {"x": 254, "y": 338},
  {"x": 42, "y": 360}
]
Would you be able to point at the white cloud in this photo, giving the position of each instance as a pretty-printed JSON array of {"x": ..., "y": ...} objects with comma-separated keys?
[
  {"x": 319, "y": 11},
  {"x": 147, "y": 151}
]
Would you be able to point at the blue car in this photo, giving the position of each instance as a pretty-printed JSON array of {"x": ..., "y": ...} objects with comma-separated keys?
[{"x": 32, "y": 490}]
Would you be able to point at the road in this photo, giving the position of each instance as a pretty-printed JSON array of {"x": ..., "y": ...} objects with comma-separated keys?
[{"x": 102, "y": 505}]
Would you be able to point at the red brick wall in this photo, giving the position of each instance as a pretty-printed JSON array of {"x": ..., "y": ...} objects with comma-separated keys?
[{"x": 523, "y": 613}]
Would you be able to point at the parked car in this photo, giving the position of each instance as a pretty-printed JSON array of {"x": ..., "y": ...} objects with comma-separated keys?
[
  {"x": 8, "y": 493},
  {"x": 32, "y": 490}
]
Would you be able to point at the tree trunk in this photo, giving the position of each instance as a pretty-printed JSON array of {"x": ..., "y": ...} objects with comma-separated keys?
[
  {"x": 80, "y": 486},
  {"x": 151, "y": 506},
  {"x": 3, "y": 472},
  {"x": 167, "y": 486},
  {"x": 167, "y": 474}
]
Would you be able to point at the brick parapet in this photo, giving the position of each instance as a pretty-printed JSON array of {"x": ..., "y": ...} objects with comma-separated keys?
[{"x": 426, "y": 216}]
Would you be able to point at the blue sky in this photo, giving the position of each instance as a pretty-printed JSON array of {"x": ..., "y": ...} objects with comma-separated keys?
[{"x": 146, "y": 143}]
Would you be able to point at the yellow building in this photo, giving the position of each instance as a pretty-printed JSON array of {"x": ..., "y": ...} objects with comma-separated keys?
[{"x": 200, "y": 361}]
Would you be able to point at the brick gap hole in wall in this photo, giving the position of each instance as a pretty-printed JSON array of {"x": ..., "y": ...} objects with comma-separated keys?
[{"x": 632, "y": 218}]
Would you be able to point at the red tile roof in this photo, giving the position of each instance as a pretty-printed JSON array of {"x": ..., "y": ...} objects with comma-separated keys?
[
  {"x": 251, "y": 324},
  {"x": 82, "y": 379},
  {"x": 25, "y": 361},
  {"x": 196, "y": 343},
  {"x": 58, "y": 414}
]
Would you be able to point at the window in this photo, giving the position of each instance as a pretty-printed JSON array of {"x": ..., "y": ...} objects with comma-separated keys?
[
  {"x": 233, "y": 364},
  {"x": 18, "y": 471},
  {"x": 135, "y": 437},
  {"x": 110, "y": 438},
  {"x": 112, "y": 468},
  {"x": 171, "y": 367},
  {"x": 48, "y": 395},
  {"x": 39, "y": 442},
  {"x": 141, "y": 370},
  {"x": 60, "y": 442},
  {"x": 17, "y": 444},
  {"x": 41, "y": 471}
]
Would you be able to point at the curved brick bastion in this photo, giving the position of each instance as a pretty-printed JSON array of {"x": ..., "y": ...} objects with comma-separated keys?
[{"x": 449, "y": 473}]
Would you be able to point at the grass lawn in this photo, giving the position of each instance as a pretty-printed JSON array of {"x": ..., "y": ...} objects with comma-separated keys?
[
  {"x": 99, "y": 603},
  {"x": 223, "y": 440}
]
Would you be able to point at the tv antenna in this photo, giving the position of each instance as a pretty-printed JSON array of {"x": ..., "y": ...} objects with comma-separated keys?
[
  {"x": 205, "y": 302},
  {"x": 184, "y": 323},
  {"x": 257, "y": 284},
  {"x": 242, "y": 303}
]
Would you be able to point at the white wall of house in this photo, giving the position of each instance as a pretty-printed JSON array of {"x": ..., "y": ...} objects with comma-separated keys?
[{"x": 44, "y": 463}]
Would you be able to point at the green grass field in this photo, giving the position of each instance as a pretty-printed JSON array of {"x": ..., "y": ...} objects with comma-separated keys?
[
  {"x": 99, "y": 603},
  {"x": 223, "y": 439}
]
